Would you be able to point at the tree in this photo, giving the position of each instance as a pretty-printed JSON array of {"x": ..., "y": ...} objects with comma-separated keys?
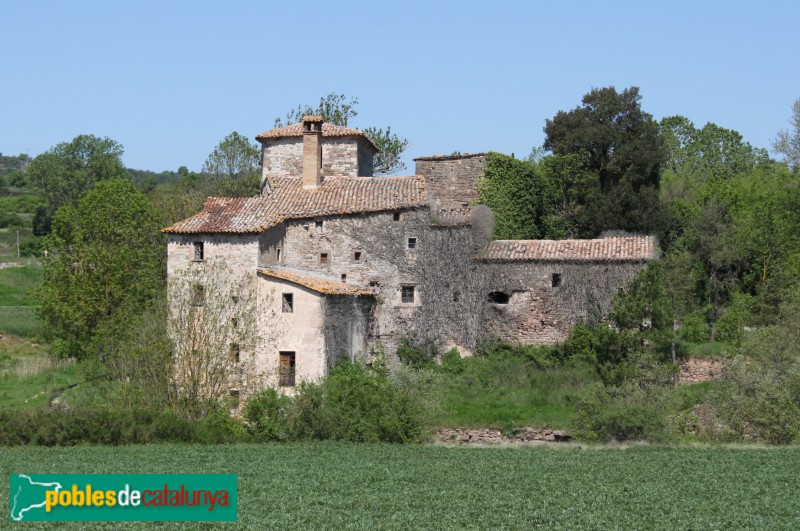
[
  {"x": 788, "y": 142},
  {"x": 712, "y": 152},
  {"x": 233, "y": 169},
  {"x": 107, "y": 251},
  {"x": 625, "y": 152},
  {"x": 70, "y": 169},
  {"x": 338, "y": 109}
]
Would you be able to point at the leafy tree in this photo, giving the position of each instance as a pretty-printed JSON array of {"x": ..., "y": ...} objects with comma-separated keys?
[
  {"x": 623, "y": 149},
  {"x": 712, "y": 152},
  {"x": 233, "y": 169},
  {"x": 788, "y": 142},
  {"x": 107, "y": 251},
  {"x": 70, "y": 169},
  {"x": 338, "y": 109}
]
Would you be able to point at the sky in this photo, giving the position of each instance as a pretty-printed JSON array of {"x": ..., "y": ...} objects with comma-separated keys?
[{"x": 169, "y": 80}]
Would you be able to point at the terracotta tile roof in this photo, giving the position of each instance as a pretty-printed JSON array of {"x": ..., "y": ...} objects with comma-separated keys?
[
  {"x": 312, "y": 118},
  {"x": 328, "y": 131},
  {"x": 288, "y": 200},
  {"x": 451, "y": 157},
  {"x": 622, "y": 248},
  {"x": 318, "y": 284}
]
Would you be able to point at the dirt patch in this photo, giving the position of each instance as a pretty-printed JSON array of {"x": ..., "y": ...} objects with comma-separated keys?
[{"x": 6, "y": 265}]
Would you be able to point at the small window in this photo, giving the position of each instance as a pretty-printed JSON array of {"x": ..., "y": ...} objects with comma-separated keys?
[
  {"x": 323, "y": 259},
  {"x": 234, "y": 393},
  {"x": 412, "y": 243},
  {"x": 198, "y": 251},
  {"x": 407, "y": 294},
  {"x": 198, "y": 294},
  {"x": 286, "y": 369},
  {"x": 278, "y": 256},
  {"x": 344, "y": 277},
  {"x": 357, "y": 256},
  {"x": 287, "y": 303},
  {"x": 235, "y": 299},
  {"x": 498, "y": 297},
  {"x": 456, "y": 296},
  {"x": 318, "y": 226},
  {"x": 233, "y": 354},
  {"x": 396, "y": 216},
  {"x": 234, "y": 322},
  {"x": 374, "y": 283},
  {"x": 556, "y": 281}
]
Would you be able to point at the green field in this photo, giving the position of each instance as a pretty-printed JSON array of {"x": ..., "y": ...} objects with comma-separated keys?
[
  {"x": 314, "y": 486},
  {"x": 17, "y": 304}
]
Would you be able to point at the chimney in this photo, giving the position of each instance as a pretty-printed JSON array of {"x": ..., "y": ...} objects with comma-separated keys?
[{"x": 312, "y": 152}]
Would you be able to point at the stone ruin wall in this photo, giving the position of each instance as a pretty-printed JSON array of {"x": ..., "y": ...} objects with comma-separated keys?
[
  {"x": 452, "y": 179},
  {"x": 538, "y": 313}
]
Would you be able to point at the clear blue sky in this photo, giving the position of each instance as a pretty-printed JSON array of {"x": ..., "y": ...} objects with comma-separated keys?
[{"x": 169, "y": 80}]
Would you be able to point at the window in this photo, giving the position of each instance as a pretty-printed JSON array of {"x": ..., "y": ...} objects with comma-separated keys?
[
  {"x": 498, "y": 297},
  {"x": 234, "y": 322},
  {"x": 198, "y": 251},
  {"x": 234, "y": 393},
  {"x": 357, "y": 256},
  {"x": 235, "y": 299},
  {"x": 278, "y": 255},
  {"x": 323, "y": 259},
  {"x": 287, "y": 303},
  {"x": 344, "y": 277},
  {"x": 412, "y": 243},
  {"x": 198, "y": 294},
  {"x": 556, "y": 282},
  {"x": 318, "y": 226},
  {"x": 407, "y": 294},
  {"x": 456, "y": 296},
  {"x": 396, "y": 216},
  {"x": 374, "y": 284},
  {"x": 233, "y": 354},
  {"x": 286, "y": 369}
]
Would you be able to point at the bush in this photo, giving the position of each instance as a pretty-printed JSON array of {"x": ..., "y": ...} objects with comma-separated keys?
[
  {"x": 267, "y": 415},
  {"x": 356, "y": 404},
  {"x": 624, "y": 413},
  {"x": 420, "y": 354},
  {"x": 452, "y": 362},
  {"x": 113, "y": 426}
]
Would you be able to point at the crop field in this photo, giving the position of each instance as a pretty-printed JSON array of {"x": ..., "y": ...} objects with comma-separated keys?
[{"x": 336, "y": 485}]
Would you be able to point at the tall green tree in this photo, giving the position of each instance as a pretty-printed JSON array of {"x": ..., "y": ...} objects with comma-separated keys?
[
  {"x": 106, "y": 253},
  {"x": 623, "y": 149},
  {"x": 67, "y": 171},
  {"x": 338, "y": 109},
  {"x": 233, "y": 169}
]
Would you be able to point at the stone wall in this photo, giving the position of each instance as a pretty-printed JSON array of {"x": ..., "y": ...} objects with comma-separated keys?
[
  {"x": 348, "y": 323},
  {"x": 538, "y": 311},
  {"x": 340, "y": 156},
  {"x": 239, "y": 252},
  {"x": 452, "y": 179}
]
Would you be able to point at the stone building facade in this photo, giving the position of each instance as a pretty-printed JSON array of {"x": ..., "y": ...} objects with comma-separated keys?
[{"x": 345, "y": 261}]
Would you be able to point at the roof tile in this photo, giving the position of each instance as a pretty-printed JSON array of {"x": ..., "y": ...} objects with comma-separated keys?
[
  {"x": 328, "y": 131},
  {"x": 621, "y": 248},
  {"x": 319, "y": 284},
  {"x": 288, "y": 200}
]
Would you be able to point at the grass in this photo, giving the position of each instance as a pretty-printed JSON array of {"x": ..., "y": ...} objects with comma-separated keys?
[
  {"x": 710, "y": 349},
  {"x": 28, "y": 375},
  {"x": 17, "y": 305},
  {"x": 507, "y": 392},
  {"x": 331, "y": 486}
]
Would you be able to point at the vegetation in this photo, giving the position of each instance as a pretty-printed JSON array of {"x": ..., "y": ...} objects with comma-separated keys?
[
  {"x": 338, "y": 485},
  {"x": 338, "y": 109}
]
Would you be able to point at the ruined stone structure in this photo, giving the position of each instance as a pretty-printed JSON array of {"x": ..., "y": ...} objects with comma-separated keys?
[{"x": 345, "y": 261}]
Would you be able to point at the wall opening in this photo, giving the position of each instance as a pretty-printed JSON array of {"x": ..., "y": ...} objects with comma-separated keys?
[
  {"x": 407, "y": 294},
  {"x": 412, "y": 243},
  {"x": 287, "y": 303},
  {"x": 323, "y": 259},
  {"x": 357, "y": 256},
  {"x": 318, "y": 226},
  {"x": 556, "y": 280},
  {"x": 344, "y": 277},
  {"x": 234, "y": 353},
  {"x": 286, "y": 369},
  {"x": 199, "y": 251},
  {"x": 396, "y": 216},
  {"x": 499, "y": 297}
]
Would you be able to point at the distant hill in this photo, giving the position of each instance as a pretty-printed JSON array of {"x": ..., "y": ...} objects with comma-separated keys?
[{"x": 10, "y": 164}]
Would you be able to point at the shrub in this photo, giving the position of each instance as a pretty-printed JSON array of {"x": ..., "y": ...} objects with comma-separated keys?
[
  {"x": 267, "y": 415},
  {"x": 452, "y": 362},
  {"x": 628, "y": 412},
  {"x": 419, "y": 354}
]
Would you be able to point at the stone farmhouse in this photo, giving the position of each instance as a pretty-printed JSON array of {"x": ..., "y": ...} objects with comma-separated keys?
[{"x": 344, "y": 262}]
